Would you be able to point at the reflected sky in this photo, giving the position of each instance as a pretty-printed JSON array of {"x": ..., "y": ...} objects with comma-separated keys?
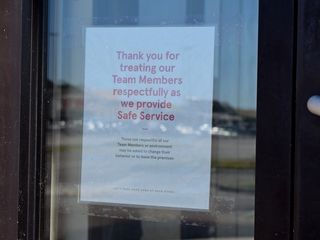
[{"x": 236, "y": 25}]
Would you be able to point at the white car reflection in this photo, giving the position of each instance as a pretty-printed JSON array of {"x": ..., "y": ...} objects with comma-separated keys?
[
  {"x": 219, "y": 131},
  {"x": 187, "y": 130},
  {"x": 207, "y": 129},
  {"x": 97, "y": 125}
]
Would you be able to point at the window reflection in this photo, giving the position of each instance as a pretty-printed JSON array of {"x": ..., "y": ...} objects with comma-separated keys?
[{"x": 233, "y": 130}]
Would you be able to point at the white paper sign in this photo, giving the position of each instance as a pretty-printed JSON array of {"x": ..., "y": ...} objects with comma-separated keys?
[{"x": 148, "y": 116}]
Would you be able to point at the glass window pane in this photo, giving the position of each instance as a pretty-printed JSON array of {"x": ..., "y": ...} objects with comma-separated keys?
[{"x": 211, "y": 139}]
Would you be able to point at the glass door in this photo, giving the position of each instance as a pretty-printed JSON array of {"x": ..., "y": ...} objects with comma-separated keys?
[{"x": 152, "y": 120}]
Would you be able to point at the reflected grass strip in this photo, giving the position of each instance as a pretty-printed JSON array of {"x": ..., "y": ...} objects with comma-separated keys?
[{"x": 234, "y": 164}]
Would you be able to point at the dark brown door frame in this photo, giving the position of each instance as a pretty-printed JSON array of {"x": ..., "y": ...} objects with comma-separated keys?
[
  {"x": 10, "y": 85},
  {"x": 22, "y": 97},
  {"x": 307, "y": 174},
  {"x": 275, "y": 120}
]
